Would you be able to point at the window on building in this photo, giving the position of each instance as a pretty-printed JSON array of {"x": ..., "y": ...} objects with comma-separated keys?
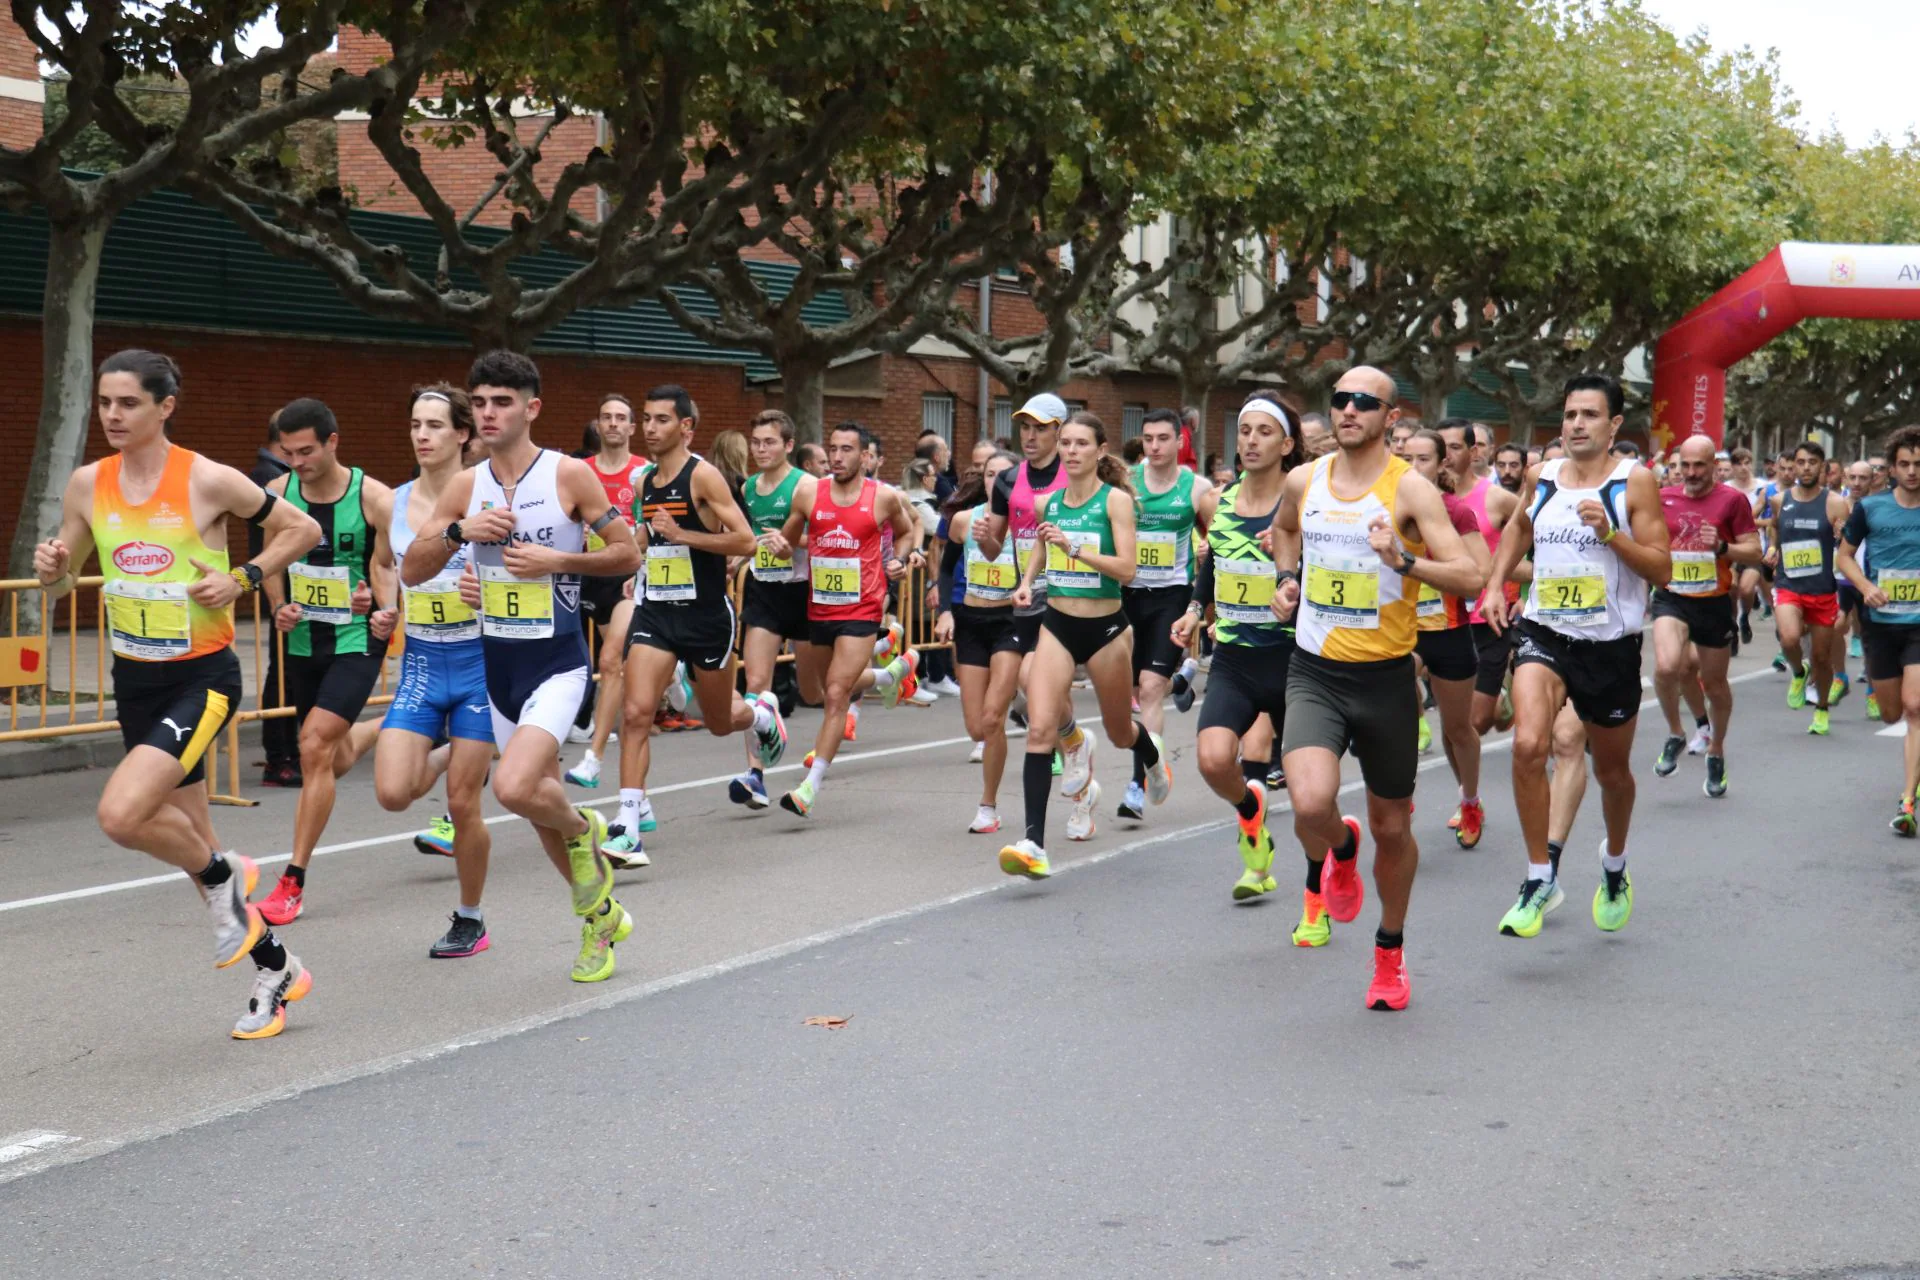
[
  {"x": 1075, "y": 406},
  {"x": 1131, "y": 418},
  {"x": 1002, "y": 418},
  {"x": 936, "y": 414}
]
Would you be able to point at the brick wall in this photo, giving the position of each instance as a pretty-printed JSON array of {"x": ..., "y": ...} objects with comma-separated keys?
[{"x": 20, "y": 118}]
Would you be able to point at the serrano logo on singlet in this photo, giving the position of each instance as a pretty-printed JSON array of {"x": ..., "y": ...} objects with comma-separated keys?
[{"x": 143, "y": 559}]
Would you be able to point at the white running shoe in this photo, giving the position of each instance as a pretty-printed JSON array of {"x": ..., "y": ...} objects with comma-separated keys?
[
  {"x": 1080, "y": 817},
  {"x": 236, "y": 925},
  {"x": 923, "y": 697},
  {"x": 986, "y": 821},
  {"x": 978, "y": 753},
  {"x": 587, "y": 772},
  {"x": 577, "y": 735},
  {"x": 679, "y": 692},
  {"x": 273, "y": 991},
  {"x": 1160, "y": 777},
  {"x": 1701, "y": 739},
  {"x": 946, "y": 688},
  {"x": 1076, "y": 766}
]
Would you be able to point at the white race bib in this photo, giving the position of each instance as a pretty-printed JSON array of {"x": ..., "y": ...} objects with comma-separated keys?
[
  {"x": 148, "y": 621},
  {"x": 1694, "y": 574},
  {"x": 1903, "y": 591},
  {"x": 669, "y": 571},
  {"x": 836, "y": 580}
]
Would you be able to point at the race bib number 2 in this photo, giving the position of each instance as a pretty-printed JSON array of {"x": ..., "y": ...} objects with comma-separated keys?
[{"x": 1243, "y": 591}]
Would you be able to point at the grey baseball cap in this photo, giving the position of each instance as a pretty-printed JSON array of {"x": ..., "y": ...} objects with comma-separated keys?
[{"x": 1046, "y": 408}]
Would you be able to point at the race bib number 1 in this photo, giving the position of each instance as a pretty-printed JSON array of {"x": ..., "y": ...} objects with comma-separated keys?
[{"x": 148, "y": 621}]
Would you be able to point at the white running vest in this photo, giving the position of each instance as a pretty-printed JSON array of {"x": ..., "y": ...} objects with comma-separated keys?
[
  {"x": 1581, "y": 588},
  {"x": 434, "y": 610},
  {"x": 539, "y": 608}
]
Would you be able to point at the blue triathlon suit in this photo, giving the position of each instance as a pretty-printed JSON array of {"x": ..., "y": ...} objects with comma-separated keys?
[{"x": 443, "y": 677}]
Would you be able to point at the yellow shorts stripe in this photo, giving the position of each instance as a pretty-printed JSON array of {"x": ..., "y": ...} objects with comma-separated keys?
[{"x": 211, "y": 719}]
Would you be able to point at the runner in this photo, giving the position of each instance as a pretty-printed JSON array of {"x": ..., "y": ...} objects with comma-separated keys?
[
  {"x": 1366, "y": 533},
  {"x": 1753, "y": 588},
  {"x": 608, "y": 602},
  {"x": 1443, "y": 639},
  {"x": 442, "y": 695},
  {"x": 844, "y": 519},
  {"x": 773, "y": 602},
  {"x": 1253, "y": 644},
  {"x": 690, "y": 525},
  {"x": 1492, "y": 506},
  {"x": 1805, "y": 598},
  {"x": 1087, "y": 529},
  {"x": 1597, "y": 537},
  {"x": 1710, "y": 529},
  {"x": 335, "y": 626},
  {"x": 1890, "y": 596},
  {"x": 1167, "y": 496},
  {"x": 157, "y": 513},
  {"x": 1510, "y": 467},
  {"x": 526, "y": 512},
  {"x": 977, "y": 619}
]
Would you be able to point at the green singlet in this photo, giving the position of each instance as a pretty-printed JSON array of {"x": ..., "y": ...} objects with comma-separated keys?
[
  {"x": 1163, "y": 554},
  {"x": 323, "y": 581},
  {"x": 1085, "y": 526}
]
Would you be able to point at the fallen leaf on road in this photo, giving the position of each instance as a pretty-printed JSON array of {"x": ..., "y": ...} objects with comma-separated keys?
[{"x": 832, "y": 1023}]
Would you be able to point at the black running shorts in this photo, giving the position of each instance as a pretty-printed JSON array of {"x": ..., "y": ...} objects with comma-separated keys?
[
  {"x": 177, "y": 707},
  {"x": 1370, "y": 708},
  {"x": 1602, "y": 676}
]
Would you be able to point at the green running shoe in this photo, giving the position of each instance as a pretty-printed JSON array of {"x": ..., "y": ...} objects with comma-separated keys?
[
  {"x": 1873, "y": 707},
  {"x": 1426, "y": 736},
  {"x": 1716, "y": 784},
  {"x": 1252, "y": 884},
  {"x": 1820, "y": 724},
  {"x": 437, "y": 839},
  {"x": 1613, "y": 901},
  {"x": 1669, "y": 758},
  {"x": 1526, "y": 916},
  {"x": 598, "y": 933},
  {"x": 1056, "y": 762},
  {"x": 1797, "y": 693},
  {"x": 1904, "y": 823},
  {"x": 1838, "y": 689},
  {"x": 592, "y": 873}
]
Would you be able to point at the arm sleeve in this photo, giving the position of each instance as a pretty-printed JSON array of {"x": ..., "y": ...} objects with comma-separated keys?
[
  {"x": 1203, "y": 582},
  {"x": 1856, "y": 530},
  {"x": 1002, "y": 499},
  {"x": 950, "y": 556}
]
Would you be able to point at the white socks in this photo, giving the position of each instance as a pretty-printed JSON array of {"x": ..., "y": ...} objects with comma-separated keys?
[
  {"x": 817, "y": 775},
  {"x": 762, "y": 716},
  {"x": 1610, "y": 863},
  {"x": 1541, "y": 871},
  {"x": 633, "y": 802}
]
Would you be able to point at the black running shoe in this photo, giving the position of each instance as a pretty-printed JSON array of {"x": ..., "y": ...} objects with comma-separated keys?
[
  {"x": 465, "y": 937},
  {"x": 1276, "y": 779},
  {"x": 1182, "y": 690}
]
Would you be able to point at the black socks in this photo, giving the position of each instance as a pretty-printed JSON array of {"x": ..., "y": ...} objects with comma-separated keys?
[
  {"x": 1313, "y": 874},
  {"x": 299, "y": 875},
  {"x": 217, "y": 872},
  {"x": 1037, "y": 780},
  {"x": 1249, "y": 805},
  {"x": 1389, "y": 941},
  {"x": 268, "y": 953},
  {"x": 1348, "y": 850},
  {"x": 1254, "y": 770},
  {"x": 1145, "y": 754}
]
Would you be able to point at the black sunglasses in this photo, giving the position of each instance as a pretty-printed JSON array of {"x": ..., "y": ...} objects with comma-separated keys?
[{"x": 1361, "y": 400}]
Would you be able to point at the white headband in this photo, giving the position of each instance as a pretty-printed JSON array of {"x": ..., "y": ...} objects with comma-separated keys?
[
  {"x": 434, "y": 395},
  {"x": 1268, "y": 407}
]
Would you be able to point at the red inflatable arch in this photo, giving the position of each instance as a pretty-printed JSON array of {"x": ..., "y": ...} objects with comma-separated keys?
[{"x": 1795, "y": 282}]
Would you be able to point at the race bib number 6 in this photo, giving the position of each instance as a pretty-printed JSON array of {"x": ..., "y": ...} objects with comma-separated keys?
[{"x": 515, "y": 608}]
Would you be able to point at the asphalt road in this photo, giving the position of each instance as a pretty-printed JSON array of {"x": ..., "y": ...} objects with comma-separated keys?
[{"x": 1115, "y": 1073}]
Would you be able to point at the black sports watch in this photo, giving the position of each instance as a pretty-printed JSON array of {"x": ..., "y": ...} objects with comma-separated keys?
[
  {"x": 1407, "y": 561},
  {"x": 453, "y": 537}
]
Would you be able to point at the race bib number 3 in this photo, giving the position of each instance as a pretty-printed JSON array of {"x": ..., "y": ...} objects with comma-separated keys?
[
  {"x": 1067, "y": 573},
  {"x": 1903, "y": 591},
  {"x": 1346, "y": 591},
  {"x": 148, "y": 621},
  {"x": 1157, "y": 559},
  {"x": 669, "y": 572},
  {"x": 515, "y": 608},
  {"x": 1694, "y": 574},
  {"x": 1801, "y": 559},
  {"x": 325, "y": 595},
  {"x": 1243, "y": 591},
  {"x": 435, "y": 612},
  {"x": 768, "y": 567},
  {"x": 1571, "y": 595},
  {"x": 836, "y": 580}
]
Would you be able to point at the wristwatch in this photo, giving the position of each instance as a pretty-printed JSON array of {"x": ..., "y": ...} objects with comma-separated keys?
[
  {"x": 1407, "y": 561},
  {"x": 452, "y": 536},
  {"x": 248, "y": 576}
]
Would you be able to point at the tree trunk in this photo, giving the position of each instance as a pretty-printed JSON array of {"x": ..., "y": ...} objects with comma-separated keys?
[
  {"x": 66, "y": 393},
  {"x": 1520, "y": 422},
  {"x": 803, "y": 390},
  {"x": 1433, "y": 402}
]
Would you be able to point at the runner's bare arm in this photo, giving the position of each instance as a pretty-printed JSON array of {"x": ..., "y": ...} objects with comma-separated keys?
[
  {"x": 286, "y": 533},
  {"x": 783, "y": 540},
  {"x": 430, "y": 550},
  {"x": 376, "y": 506},
  {"x": 732, "y": 535},
  {"x": 1282, "y": 537},
  {"x": 1447, "y": 564},
  {"x": 1643, "y": 544},
  {"x": 1846, "y": 560},
  {"x": 581, "y": 498},
  {"x": 58, "y": 561},
  {"x": 1745, "y": 549}
]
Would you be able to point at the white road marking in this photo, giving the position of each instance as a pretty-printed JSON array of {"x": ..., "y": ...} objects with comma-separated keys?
[
  {"x": 1892, "y": 731},
  {"x": 20, "y": 1145}
]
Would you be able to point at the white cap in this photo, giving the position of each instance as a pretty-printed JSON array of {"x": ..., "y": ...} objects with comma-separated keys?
[{"x": 1046, "y": 408}]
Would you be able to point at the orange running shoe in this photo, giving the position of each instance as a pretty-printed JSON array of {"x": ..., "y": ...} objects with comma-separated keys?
[
  {"x": 1453, "y": 823},
  {"x": 285, "y": 903},
  {"x": 1345, "y": 894},
  {"x": 1313, "y": 929},
  {"x": 1473, "y": 817},
  {"x": 1389, "y": 989},
  {"x": 853, "y": 724}
]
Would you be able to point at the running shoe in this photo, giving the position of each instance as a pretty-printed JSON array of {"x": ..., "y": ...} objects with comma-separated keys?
[
  {"x": 1797, "y": 692},
  {"x": 1056, "y": 762},
  {"x": 1077, "y": 766},
  {"x": 986, "y": 821},
  {"x": 1669, "y": 758},
  {"x": 577, "y": 736},
  {"x": 978, "y": 753},
  {"x": 285, "y": 903},
  {"x": 799, "y": 801},
  {"x": 1314, "y": 929},
  {"x": 1613, "y": 901},
  {"x": 748, "y": 789},
  {"x": 883, "y": 651},
  {"x": 679, "y": 692},
  {"x": 1453, "y": 823},
  {"x": 464, "y": 937},
  {"x": 1702, "y": 738},
  {"x": 1473, "y": 818},
  {"x": 587, "y": 772},
  {"x": 1716, "y": 784},
  {"x": 944, "y": 686},
  {"x": 273, "y": 991},
  {"x": 1873, "y": 707},
  {"x": 1080, "y": 816},
  {"x": 1276, "y": 778},
  {"x": 773, "y": 741},
  {"x": 1256, "y": 851},
  {"x": 1134, "y": 803},
  {"x": 1853, "y": 647},
  {"x": 1537, "y": 898},
  {"x": 851, "y": 735},
  {"x": 1025, "y": 858},
  {"x": 1904, "y": 823},
  {"x": 1160, "y": 776},
  {"x": 437, "y": 839},
  {"x": 1426, "y": 736},
  {"x": 237, "y": 926},
  {"x": 1780, "y": 664},
  {"x": 921, "y": 698},
  {"x": 1821, "y": 725},
  {"x": 646, "y": 820},
  {"x": 1746, "y": 626},
  {"x": 591, "y": 873},
  {"x": 1389, "y": 990},
  {"x": 624, "y": 849},
  {"x": 1252, "y": 884},
  {"x": 1839, "y": 689},
  {"x": 1181, "y": 687},
  {"x": 282, "y": 775},
  {"x": 598, "y": 933},
  {"x": 904, "y": 684},
  {"x": 1344, "y": 892}
]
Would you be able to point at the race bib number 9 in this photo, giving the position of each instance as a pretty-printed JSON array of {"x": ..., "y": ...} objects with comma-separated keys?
[
  {"x": 515, "y": 608},
  {"x": 1694, "y": 574},
  {"x": 836, "y": 580},
  {"x": 669, "y": 572},
  {"x": 324, "y": 594},
  {"x": 148, "y": 621},
  {"x": 1243, "y": 591},
  {"x": 1346, "y": 591},
  {"x": 435, "y": 611},
  {"x": 1571, "y": 595}
]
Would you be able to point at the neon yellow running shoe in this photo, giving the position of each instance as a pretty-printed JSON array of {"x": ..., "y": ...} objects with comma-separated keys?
[
  {"x": 1613, "y": 902},
  {"x": 1025, "y": 858},
  {"x": 1426, "y": 736},
  {"x": 1797, "y": 693},
  {"x": 1525, "y": 917},
  {"x": 1838, "y": 690},
  {"x": 1819, "y": 725},
  {"x": 1252, "y": 884},
  {"x": 592, "y": 874},
  {"x": 598, "y": 933},
  {"x": 1316, "y": 926},
  {"x": 1873, "y": 707}
]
